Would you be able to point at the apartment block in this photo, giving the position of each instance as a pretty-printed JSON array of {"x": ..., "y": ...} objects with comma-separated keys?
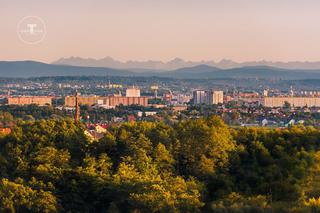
[{"x": 27, "y": 100}]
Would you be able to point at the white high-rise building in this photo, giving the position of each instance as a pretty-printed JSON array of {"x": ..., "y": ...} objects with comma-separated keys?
[
  {"x": 199, "y": 97},
  {"x": 215, "y": 97},
  {"x": 133, "y": 92}
]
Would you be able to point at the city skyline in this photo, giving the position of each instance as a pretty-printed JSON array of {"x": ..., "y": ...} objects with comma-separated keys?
[{"x": 143, "y": 30}]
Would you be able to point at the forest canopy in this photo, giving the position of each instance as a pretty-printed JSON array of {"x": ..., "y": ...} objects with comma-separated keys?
[{"x": 199, "y": 165}]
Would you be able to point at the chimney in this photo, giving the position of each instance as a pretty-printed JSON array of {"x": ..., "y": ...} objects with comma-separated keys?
[{"x": 77, "y": 115}]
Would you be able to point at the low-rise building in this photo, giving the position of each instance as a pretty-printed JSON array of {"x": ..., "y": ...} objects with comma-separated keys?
[
  {"x": 293, "y": 101},
  {"x": 70, "y": 101},
  {"x": 107, "y": 101},
  {"x": 27, "y": 100},
  {"x": 179, "y": 108},
  {"x": 5, "y": 131},
  {"x": 133, "y": 92}
]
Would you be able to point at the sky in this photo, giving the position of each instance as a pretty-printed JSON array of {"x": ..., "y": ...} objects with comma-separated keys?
[{"x": 241, "y": 30}]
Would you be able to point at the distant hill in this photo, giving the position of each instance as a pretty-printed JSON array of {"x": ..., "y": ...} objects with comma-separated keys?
[
  {"x": 26, "y": 69},
  {"x": 204, "y": 71},
  {"x": 179, "y": 63}
]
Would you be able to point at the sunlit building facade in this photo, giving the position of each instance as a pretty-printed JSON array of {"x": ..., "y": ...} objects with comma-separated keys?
[
  {"x": 293, "y": 101},
  {"x": 28, "y": 100}
]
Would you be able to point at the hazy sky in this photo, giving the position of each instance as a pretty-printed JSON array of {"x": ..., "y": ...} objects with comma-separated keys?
[{"x": 241, "y": 30}]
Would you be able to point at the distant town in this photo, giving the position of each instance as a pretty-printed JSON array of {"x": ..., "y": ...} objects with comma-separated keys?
[{"x": 107, "y": 101}]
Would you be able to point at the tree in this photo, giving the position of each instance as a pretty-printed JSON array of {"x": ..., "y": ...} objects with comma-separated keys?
[
  {"x": 16, "y": 197},
  {"x": 148, "y": 191},
  {"x": 235, "y": 202},
  {"x": 50, "y": 163},
  {"x": 205, "y": 145},
  {"x": 163, "y": 158}
]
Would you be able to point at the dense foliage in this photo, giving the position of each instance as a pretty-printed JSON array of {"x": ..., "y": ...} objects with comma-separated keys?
[{"x": 191, "y": 166}]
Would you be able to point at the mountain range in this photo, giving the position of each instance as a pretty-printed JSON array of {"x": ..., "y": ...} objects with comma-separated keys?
[
  {"x": 25, "y": 69},
  {"x": 177, "y": 63}
]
